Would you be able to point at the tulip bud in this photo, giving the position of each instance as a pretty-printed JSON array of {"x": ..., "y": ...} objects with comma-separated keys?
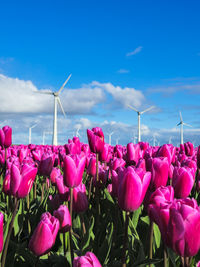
[
  {"x": 44, "y": 236},
  {"x": 96, "y": 139},
  {"x": 159, "y": 172},
  {"x": 89, "y": 260},
  {"x": 183, "y": 181},
  {"x": 5, "y": 137},
  {"x": 73, "y": 170},
  {"x": 63, "y": 215},
  {"x": 80, "y": 201},
  {"x": 132, "y": 188}
]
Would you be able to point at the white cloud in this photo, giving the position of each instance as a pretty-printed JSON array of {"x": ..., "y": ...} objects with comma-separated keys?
[
  {"x": 135, "y": 51},
  {"x": 19, "y": 96},
  {"x": 123, "y": 96},
  {"x": 123, "y": 71}
]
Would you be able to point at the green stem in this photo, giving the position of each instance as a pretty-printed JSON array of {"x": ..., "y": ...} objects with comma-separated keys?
[
  {"x": 4, "y": 253},
  {"x": 125, "y": 243},
  {"x": 83, "y": 224},
  {"x": 64, "y": 244},
  {"x": 151, "y": 242},
  {"x": 165, "y": 256},
  {"x": 70, "y": 232}
]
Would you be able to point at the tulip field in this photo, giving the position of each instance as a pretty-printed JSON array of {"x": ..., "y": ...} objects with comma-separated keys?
[{"x": 94, "y": 204}]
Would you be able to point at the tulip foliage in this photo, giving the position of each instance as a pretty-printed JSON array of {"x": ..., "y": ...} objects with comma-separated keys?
[{"x": 98, "y": 205}]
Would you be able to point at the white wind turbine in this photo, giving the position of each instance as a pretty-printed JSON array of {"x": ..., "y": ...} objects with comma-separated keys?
[
  {"x": 77, "y": 131},
  {"x": 56, "y": 100},
  {"x": 181, "y": 123},
  {"x": 29, "y": 136},
  {"x": 117, "y": 141},
  {"x": 140, "y": 113},
  {"x": 109, "y": 135}
]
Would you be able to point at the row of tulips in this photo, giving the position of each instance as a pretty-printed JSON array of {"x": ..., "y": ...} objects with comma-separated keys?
[{"x": 98, "y": 205}]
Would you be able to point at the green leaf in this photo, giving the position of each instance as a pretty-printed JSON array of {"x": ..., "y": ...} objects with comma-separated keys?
[
  {"x": 136, "y": 216},
  {"x": 157, "y": 235},
  {"x": 145, "y": 219},
  {"x": 88, "y": 236},
  {"x": 108, "y": 196}
]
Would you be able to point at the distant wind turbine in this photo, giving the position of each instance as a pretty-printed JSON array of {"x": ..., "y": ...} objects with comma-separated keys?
[
  {"x": 181, "y": 123},
  {"x": 29, "y": 136},
  {"x": 140, "y": 113},
  {"x": 56, "y": 100},
  {"x": 109, "y": 135},
  {"x": 117, "y": 140},
  {"x": 77, "y": 131}
]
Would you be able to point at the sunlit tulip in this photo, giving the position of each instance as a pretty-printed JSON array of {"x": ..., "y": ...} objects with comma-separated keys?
[
  {"x": 183, "y": 181},
  {"x": 96, "y": 139},
  {"x": 44, "y": 236},
  {"x": 132, "y": 188},
  {"x": 73, "y": 170},
  {"x": 21, "y": 180},
  {"x": 159, "y": 172},
  {"x": 5, "y": 137}
]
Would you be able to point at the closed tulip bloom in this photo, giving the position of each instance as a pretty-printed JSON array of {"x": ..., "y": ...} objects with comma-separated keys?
[
  {"x": 167, "y": 150},
  {"x": 46, "y": 164},
  {"x": 116, "y": 163},
  {"x": 63, "y": 215},
  {"x": 1, "y": 231},
  {"x": 92, "y": 166},
  {"x": 104, "y": 153},
  {"x": 80, "y": 201},
  {"x": 44, "y": 236},
  {"x": 5, "y": 137},
  {"x": 159, "y": 172},
  {"x": 189, "y": 149},
  {"x": 183, "y": 181},
  {"x": 132, "y": 188},
  {"x": 184, "y": 227},
  {"x": 54, "y": 173},
  {"x": 73, "y": 170},
  {"x": 133, "y": 153},
  {"x": 6, "y": 183},
  {"x": 96, "y": 139},
  {"x": 21, "y": 180},
  {"x": 89, "y": 260}
]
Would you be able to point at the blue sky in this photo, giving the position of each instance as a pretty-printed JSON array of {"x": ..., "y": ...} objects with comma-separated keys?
[{"x": 119, "y": 52}]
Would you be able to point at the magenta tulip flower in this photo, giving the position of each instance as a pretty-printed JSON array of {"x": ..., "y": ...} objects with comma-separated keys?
[
  {"x": 63, "y": 215},
  {"x": 132, "y": 188},
  {"x": 5, "y": 137},
  {"x": 21, "y": 180},
  {"x": 46, "y": 164},
  {"x": 89, "y": 260},
  {"x": 159, "y": 172},
  {"x": 80, "y": 201},
  {"x": 168, "y": 151},
  {"x": 133, "y": 153},
  {"x": 96, "y": 139},
  {"x": 54, "y": 174},
  {"x": 183, "y": 231},
  {"x": 73, "y": 170},
  {"x": 183, "y": 181},
  {"x": 44, "y": 236},
  {"x": 1, "y": 231}
]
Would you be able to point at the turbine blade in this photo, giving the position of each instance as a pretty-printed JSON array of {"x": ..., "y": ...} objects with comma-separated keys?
[
  {"x": 187, "y": 124},
  {"x": 59, "y": 102},
  {"x": 179, "y": 123},
  {"x": 133, "y": 108},
  {"x": 181, "y": 116},
  {"x": 44, "y": 93},
  {"x": 33, "y": 126},
  {"x": 61, "y": 88},
  {"x": 146, "y": 110}
]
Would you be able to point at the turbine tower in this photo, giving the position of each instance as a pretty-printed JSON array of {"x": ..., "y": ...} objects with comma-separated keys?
[
  {"x": 30, "y": 128},
  {"x": 109, "y": 135},
  {"x": 56, "y": 100},
  {"x": 140, "y": 113},
  {"x": 181, "y": 123}
]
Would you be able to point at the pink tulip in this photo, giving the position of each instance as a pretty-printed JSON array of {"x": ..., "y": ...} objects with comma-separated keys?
[
  {"x": 63, "y": 215},
  {"x": 80, "y": 201},
  {"x": 132, "y": 188},
  {"x": 96, "y": 139},
  {"x": 5, "y": 137},
  {"x": 46, "y": 164},
  {"x": 21, "y": 180},
  {"x": 159, "y": 172},
  {"x": 73, "y": 170},
  {"x": 54, "y": 174},
  {"x": 44, "y": 236},
  {"x": 183, "y": 231},
  {"x": 133, "y": 153},
  {"x": 89, "y": 260},
  {"x": 183, "y": 181}
]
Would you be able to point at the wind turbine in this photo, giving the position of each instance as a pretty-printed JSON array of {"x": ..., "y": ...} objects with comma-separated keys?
[
  {"x": 77, "y": 131},
  {"x": 181, "y": 123},
  {"x": 140, "y": 113},
  {"x": 44, "y": 135},
  {"x": 30, "y": 128},
  {"x": 109, "y": 135},
  {"x": 56, "y": 100},
  {"x": 117, "y": 140}
]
